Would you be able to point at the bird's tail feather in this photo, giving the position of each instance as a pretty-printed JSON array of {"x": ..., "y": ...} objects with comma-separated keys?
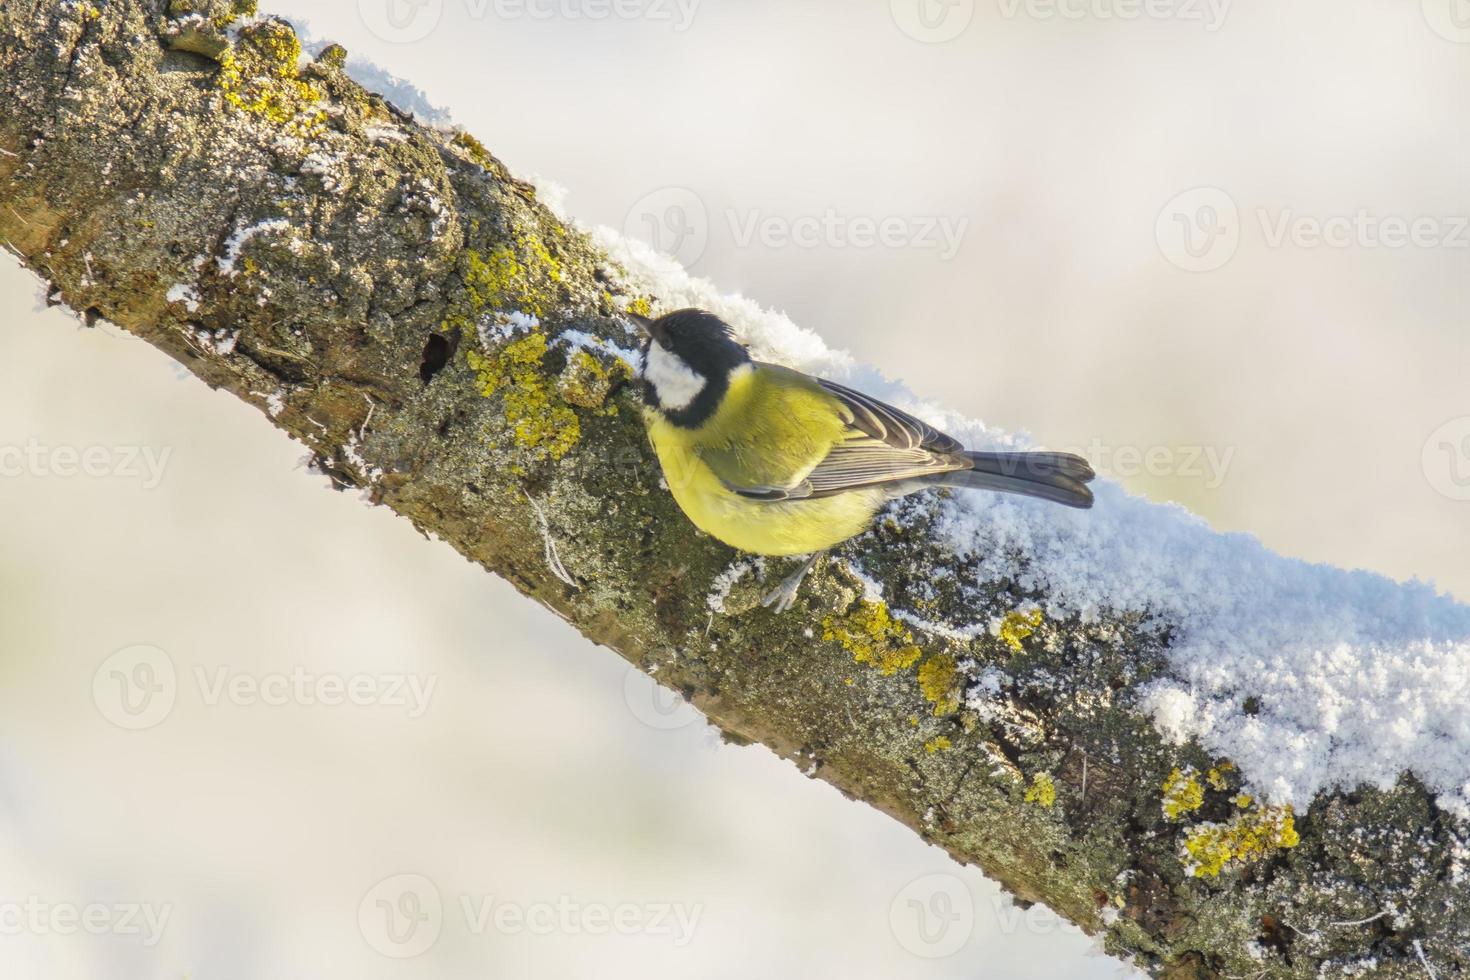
[{"x": 1058, "y": 477}]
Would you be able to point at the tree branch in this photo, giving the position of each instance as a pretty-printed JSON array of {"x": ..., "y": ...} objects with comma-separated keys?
[{"x": 392, "y": 297}]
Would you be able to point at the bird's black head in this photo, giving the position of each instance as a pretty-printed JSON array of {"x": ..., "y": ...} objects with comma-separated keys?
[{"x": 687, "y": 364}]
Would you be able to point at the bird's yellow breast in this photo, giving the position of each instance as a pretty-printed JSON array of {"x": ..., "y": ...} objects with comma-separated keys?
[{"x": 771, "y": 429}]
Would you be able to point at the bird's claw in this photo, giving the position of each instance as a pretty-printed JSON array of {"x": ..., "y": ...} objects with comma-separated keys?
[{"x": 783, "y": 596}]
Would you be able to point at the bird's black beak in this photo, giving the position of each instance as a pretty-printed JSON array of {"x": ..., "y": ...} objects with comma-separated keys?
[{"x": 649, "y": 327}]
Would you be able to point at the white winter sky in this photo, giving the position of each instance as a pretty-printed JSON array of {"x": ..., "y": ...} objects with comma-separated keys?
[{"x": 1320, "y": 373}]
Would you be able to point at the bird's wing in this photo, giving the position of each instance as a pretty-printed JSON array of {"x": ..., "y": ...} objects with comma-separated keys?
[
  {"x": 879, "y": 444},
  {"x": 863, "y": 462},
  {"x": 890, "y": 425}
]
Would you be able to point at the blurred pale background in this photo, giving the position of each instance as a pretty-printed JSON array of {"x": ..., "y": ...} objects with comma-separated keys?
[{"x": 1131, "y": 270}]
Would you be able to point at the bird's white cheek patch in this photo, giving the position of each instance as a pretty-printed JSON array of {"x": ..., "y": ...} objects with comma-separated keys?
[{"x": 675, "y": 383}]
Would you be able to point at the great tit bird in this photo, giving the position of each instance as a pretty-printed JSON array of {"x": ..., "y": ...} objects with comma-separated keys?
[{"x": 775, "y": 462}]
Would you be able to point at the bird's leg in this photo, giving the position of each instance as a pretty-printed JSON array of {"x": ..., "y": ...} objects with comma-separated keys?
[{"x": 784, "y": 594}]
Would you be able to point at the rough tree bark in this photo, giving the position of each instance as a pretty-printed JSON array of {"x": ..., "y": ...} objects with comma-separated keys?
[{"x": 299, "y": 242}]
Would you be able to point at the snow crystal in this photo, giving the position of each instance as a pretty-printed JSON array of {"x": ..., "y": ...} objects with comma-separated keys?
[
  {"x": 403, "y": 94},
  {"x": 242, "y": 236},
  {"x": 960, "y": 634},
  {"x": 580, "y": 340},
  {"x": 182, "y": 293},
  {"x": 221, "y": 342},
  {"x": 497, "y": 328},
  {"x": 385, "y": 134},
  {"x": 1309, "y": 677},
  {"x": 551, "y": 194},
  {"x": 321, "y": 163},
  {"x": 352, "y": 452},
  {"x": 725, "y": 581},
  {"x": 872, "y": 588},
  {"x": 275, "y": 401}
]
